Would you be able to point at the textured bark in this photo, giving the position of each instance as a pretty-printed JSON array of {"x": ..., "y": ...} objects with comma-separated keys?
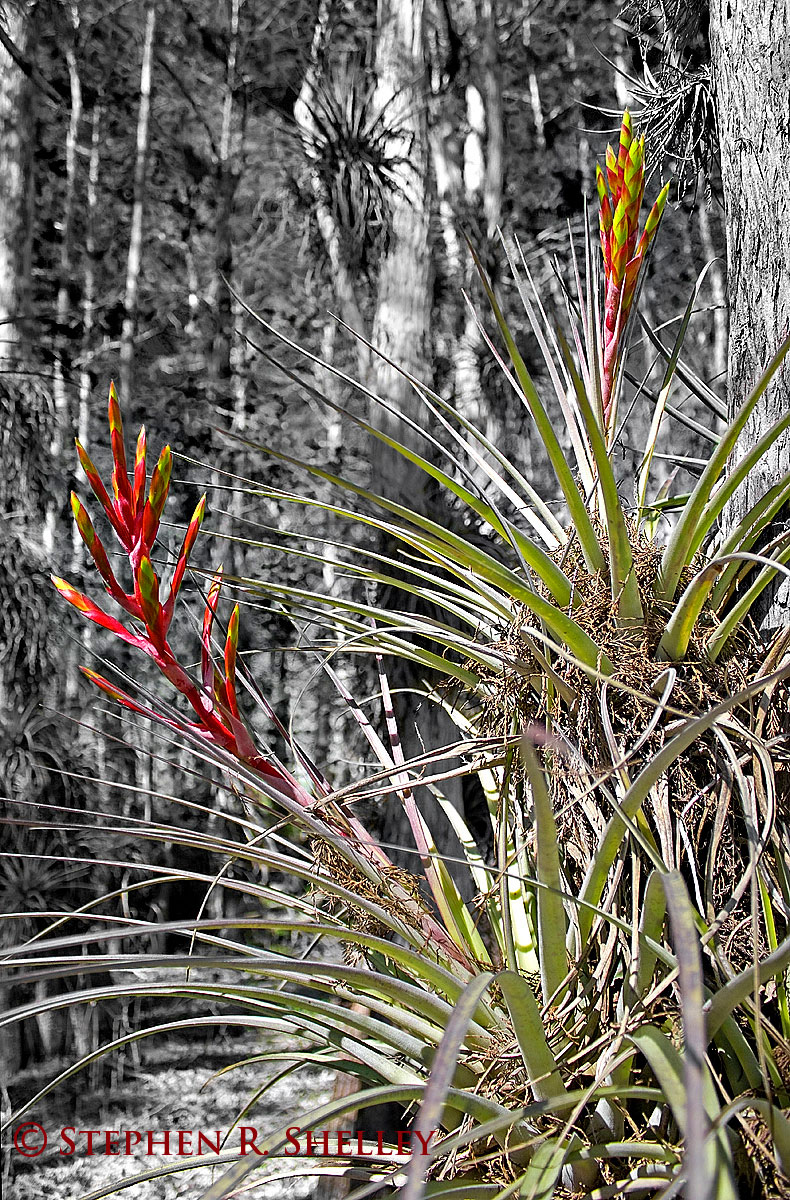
[
  {"x": 227, "y": 185},
  {"x": 16, "y": 144},
  {"x": 751, "y": 68},
  {"x": 401, "y": 330},
  {"x": 135, "y": 257},
  {"x": 228, "y": 391},
  {"x": 22, "y": 455},
  {"x": 63, "y": 422},
  {"x": 483, "y": 146},
  {"x": 469, "y": 180},
  {"x": 402, "y": 324},
  {"x": 24, "y": 433},
  {"x": 342, "y": 275},
  {"x": 495, "y": 124},
  {"x": 88, "y": 306}
]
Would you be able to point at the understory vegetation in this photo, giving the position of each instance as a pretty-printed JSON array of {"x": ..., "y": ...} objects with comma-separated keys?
[{"x": 582, "y": 990}]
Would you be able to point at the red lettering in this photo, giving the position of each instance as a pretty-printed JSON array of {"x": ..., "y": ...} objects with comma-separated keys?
[
  {"x": 290, "y": 1140},
  {"x": 380, "y": 1145},
  {"x": 152, "y": 1140},
  {"x": 213, "y": 1146},
  {"x": 128, "y": 1143},
  {"x": 361, "y": 1151},
  {"x": 314, "y": 1144},
  {"x": 246, "y": 1140},
  {"x": 182, "y": 1135},
  {"x": 424, "y": 1140},
  {"x": 110, "y": 1147},
  {"x": 64, "y": 1137},
  {"x": 404, "y": 1145},
  {"x": 344, "y": 1141},
  {"x": 90, "y": 1133}
]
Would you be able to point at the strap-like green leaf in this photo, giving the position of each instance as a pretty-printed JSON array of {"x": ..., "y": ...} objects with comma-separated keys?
[
  {"x": 545, "y": 1080},
  {"x": 552, "y": 925},
  {"x": 650, "y": 926},
  {"x": 680, "y": 626},
  {"x": 719, "y": 638},
  {"x": 692, "y": 996},
  {"x": 625, "y": 590},
  {"x": 443, "y": 1069},
  {"x": 460, "y": 556},
  {"x": 663, "y": 395},
  {"x": 680, "y": 548},
  {"x": 606, "y": 853},
  {"x": 735, "y": 477},
  {"x": 733, "y": 994},
  {"x": 746, "y": 532},
  {"x": 573, "y": 497},
  {"x": 667, "y": 1065}
]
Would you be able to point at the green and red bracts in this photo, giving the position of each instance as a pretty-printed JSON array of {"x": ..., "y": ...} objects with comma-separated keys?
[
  {"x": 620, "y": 192},
  {"x": 134, "y": 509}
]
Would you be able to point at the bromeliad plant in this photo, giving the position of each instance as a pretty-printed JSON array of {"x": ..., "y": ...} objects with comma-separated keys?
[
  {"x": 539, "y": 1029},
  {"x": 134, "y": 513},
  {"x": 581, "y": 628},
  {"x": 620, "y": 193}
]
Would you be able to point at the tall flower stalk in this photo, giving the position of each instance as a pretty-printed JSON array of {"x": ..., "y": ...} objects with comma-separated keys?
[
  {"x": 620, "y": 192},
  {"x": 134, "y": 511}
]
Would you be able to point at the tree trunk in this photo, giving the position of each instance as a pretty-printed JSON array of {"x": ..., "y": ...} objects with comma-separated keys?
[
  {"x": 23, "y": 438},
  {"x": 401, "y": 330},
  {"x": 402, "y": 323},
  {"x": 135, "y": 257},
  {"x": 16, "y": 146},
  {"x": 227, "y": 183},
  {"x": 63, "y": 352},
  {"x": 469, "y": 181},
  {"x": 24, "y": 419},
  {"x": 751, "y": 66},
  {"x": 304, "y": 116},
  {"x": 88, "y": 308},
  {"x": 228, "y": 391}
]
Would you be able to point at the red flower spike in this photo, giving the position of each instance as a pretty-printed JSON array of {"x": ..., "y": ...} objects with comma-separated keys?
[
  {"x": 157, "y": 496},
  {"x": 231, "y": 649},
  {"x": 618, "y": 244},
  {"x": 139, "y": 472},
  {"x": 95, "y": 614},
  {"x": 630, "y": 281},
  {"x": 160, "y": 481},
  {"x": 100, "y": 492},
  {"x": 632, "y": 185},
  {"x": 215, "y": 705},
  {"x": 210, "y": 612},
  {"x": 642, "y": 180},
  {"x": 623, "y": 148},
  {"x": 611, "y": 170},
  {"x": 120, "y": 475},
  {"x": 605, "y": 210},
  {"x": 147, "y": 588},
  {"x": 600, "y": 184},
  {"x": 121, "y": 697},
  {"x": 655, "y": 214},
  {"x": 622, "y": 248},
  {"x": 116, "y": 693},
  {"x": 98, "y": 553},
  {"x": 183, "y": 559},
  {"x": 83, "y": 522}
]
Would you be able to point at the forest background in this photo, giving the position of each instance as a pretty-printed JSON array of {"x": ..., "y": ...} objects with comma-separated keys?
[{"x": 151, "y": 155}]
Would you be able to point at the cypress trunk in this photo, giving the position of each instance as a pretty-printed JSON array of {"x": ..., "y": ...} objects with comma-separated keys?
[{"x": 751, "y": 66}]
